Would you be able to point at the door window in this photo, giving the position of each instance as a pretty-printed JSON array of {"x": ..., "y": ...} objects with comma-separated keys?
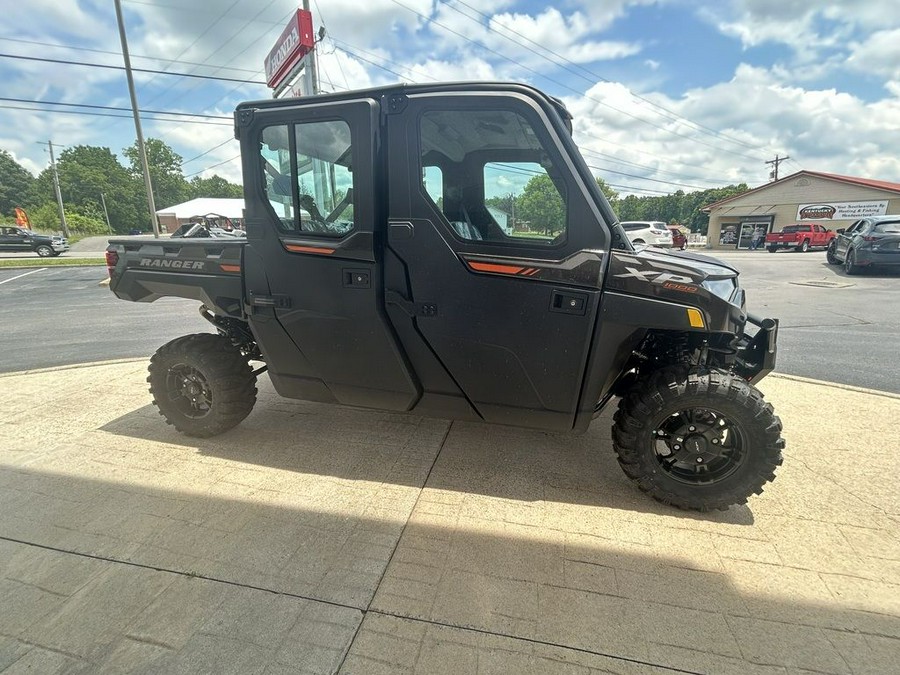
[
  {"x": 308, "y": 171},
  {"x": 488, "y": 174}
]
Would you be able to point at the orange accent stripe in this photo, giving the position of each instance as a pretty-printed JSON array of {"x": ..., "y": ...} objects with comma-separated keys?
[
  {"x": 533, "y": 272},
  {"x": 294, "y": 248},
  {"x": 230, "y": 268},
  {"x": 497, "y": 269}
]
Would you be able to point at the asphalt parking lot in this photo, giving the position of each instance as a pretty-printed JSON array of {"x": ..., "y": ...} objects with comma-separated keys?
[{"x": 833, "y": 327}]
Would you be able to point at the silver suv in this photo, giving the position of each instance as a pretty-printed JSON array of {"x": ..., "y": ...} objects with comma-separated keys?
[{"x": 650, "y": 232}]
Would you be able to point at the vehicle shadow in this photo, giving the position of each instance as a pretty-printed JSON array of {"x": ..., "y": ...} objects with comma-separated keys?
[
  {"x": 354, "y": 444},
  {"x": 883, "y": 272},
  {"x": 184, "y": 579}
]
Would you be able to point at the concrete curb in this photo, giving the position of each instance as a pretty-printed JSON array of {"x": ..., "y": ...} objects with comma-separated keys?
[
  {"x": 76, "y": 366},
  {"x": 835, "y": 385}
]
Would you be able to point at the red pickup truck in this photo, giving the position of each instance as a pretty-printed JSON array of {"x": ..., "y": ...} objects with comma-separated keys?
[{"x": 800, "y": 237}]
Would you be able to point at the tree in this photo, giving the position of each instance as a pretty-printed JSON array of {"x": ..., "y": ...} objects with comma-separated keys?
[
  {"x": 15, "y": 183},
  {"x": 541, "y": 205},
  {"x": 214, "y": 186},
  {"x": 86, "y": 171},
  {"x": 611, "y": 195},
  {"x": 169, "y": 185}
]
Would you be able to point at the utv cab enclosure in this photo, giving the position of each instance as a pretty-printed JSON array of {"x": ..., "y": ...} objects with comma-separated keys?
[{"x": 444, "y": 250}]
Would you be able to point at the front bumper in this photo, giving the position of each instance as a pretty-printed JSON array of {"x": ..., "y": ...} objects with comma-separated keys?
[
  {"x": 756, "y": 353},
  {"x": 60, "y": 246}
]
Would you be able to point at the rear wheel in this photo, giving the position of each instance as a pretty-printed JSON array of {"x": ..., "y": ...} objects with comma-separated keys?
[
  {"x": 850, "y": 266},
  {"x": 202, "y": 384},
  {"x": 830, "y": 254},
  {"x": 698, "y": 439},
  {"x": 772, "y": 249}
]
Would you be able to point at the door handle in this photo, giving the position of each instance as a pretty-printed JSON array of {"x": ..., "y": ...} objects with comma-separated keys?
[
  {"x": 402, "y": 230},
  {"x": 411, "y": 309},
  {"x": 279, "y": 301},
  {"x": 568, "y": 302}
]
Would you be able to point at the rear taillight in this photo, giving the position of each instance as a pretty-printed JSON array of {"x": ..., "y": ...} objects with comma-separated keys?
[{"x": 112, "y": 259}]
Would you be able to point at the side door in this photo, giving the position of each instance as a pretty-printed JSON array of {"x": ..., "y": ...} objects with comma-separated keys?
[
  {"x": 842, "y": 243},
  {"x": 496, "y": 254},
  {"x": 313, "y": 289},
  {"x": 12, "y": 239}
]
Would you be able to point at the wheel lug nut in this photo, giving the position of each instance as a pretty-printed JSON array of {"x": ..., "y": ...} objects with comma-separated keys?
[
  {"x": 692, "y": 428},
  {"x": 715, "y": 441},
  {"x": 699, "y": 460},
  {"x": 676, "y": 447}
]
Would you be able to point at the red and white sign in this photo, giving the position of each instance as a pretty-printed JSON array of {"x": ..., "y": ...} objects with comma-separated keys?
[
  {"x": 296, "y": 41},
  {"x": 840, "y": 210}
]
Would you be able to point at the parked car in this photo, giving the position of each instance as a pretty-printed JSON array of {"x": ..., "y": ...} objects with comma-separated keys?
[
  {"x": 800, "y": 237},
  {"x": 652, "y": 232},
  {"x": 868, "y": 242},
  {"x": 209, "y": 225},
  {"x": 19, "y": 240},
  {"x": 678, "y": 238}
]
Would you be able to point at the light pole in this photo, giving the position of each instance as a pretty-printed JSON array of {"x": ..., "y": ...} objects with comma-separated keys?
[{"x": 59, "y": 201}]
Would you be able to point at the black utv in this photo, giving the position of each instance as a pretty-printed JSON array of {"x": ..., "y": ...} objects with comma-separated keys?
[{"x": 444, "y": 250}]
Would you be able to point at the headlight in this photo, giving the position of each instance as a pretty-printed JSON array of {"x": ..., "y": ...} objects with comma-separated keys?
[{"x": 722, "y": 288}]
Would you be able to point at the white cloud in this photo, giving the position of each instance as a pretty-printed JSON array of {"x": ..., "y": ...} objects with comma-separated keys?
[
  {"x": 879, "y": 54},
  {"x": 822, "y": 130}
]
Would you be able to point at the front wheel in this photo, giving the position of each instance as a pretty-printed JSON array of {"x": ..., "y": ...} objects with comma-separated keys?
[
  {"x": 850, "y": 266},
  {"x": 44, "y": 251},
  {"x": 804, "y": 247},
  {"x": 202, "y": 384},
  {"x": 830, "y": 254},
  {"x": 698, "y": 439}
]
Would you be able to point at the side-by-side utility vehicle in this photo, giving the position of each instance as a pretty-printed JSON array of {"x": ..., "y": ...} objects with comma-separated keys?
[{"x": 444, "y": 250}]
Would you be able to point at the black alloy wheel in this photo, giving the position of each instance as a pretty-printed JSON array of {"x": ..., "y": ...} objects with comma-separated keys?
[
  {"x": 830, "y": 255},
  {"x": 699, "y": 446},
  {"x": 188, "y": 391},
  {"x": 202, "y": 384},
  {"x": 697, "y": 438},
  {"x": 850, "y": 266}
]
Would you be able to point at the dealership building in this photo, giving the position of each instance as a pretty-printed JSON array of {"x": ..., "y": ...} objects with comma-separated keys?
[{"x": 825, "y": 199}]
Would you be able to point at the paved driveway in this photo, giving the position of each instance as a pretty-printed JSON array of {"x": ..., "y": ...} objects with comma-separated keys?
[{"x": 322, "y": 539}]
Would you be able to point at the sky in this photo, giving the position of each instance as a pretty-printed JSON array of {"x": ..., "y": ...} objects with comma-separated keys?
[{"x": 666, "y": 94}]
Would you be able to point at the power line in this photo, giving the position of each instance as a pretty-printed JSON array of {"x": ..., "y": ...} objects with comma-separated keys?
[
  {"x": 196, "y": 173},
  {"x": 565, "y": 86},
  {"x": 19, "y": 40},
  {"x": 656, "y": 108},
  {"x": 137, "y": 70},
  {"x": 110, "y": 107},
  {"x": 100, "y": 114},
  {"x": 203, "y": 154}
]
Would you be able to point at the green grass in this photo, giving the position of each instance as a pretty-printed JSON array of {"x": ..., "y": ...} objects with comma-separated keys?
[{"x": 52, "y": 262}]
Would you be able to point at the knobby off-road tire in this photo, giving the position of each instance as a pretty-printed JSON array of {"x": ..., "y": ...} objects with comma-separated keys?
[
  {"x": 830, "y": 256},
  {"x": 698, "y": 439},
  {"x": 202, "y": 384}
]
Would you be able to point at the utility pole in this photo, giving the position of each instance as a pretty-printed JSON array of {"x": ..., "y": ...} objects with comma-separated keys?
[
  {"x": 137, "y": 120},
  {"x": 59, "y": 201},
  {"x": 773, "y": 174},
  {"x": 105, "y": 212}
]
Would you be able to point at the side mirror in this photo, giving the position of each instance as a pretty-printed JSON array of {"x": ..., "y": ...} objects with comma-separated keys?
[{"x": 840, "y": 230}]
